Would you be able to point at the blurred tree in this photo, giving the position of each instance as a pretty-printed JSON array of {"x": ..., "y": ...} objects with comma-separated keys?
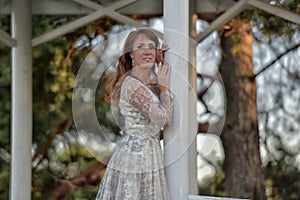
[{"x": 242, "y": 165}]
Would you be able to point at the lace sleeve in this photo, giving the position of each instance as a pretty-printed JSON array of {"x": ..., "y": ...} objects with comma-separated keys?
[{"x": 141, "y": 97}]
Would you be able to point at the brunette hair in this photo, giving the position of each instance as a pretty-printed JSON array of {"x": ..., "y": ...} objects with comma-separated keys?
[{"x": 125, "y": 63}]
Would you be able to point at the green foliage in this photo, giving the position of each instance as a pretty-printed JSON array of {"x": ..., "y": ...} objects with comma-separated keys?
[
  {"x": 216, "y": 185},
  {"x": 282, "y": 181},
  {"x": 5, "y": 110},
  {"x": 87, "y": 193},
  {"x": 270, "y": 24},
  {"x": 4, "y": 177}
]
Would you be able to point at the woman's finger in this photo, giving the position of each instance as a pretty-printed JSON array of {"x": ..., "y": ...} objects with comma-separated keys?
[
  {"x": 166, "y": 68},
  {"x": 162, "y": 71},
  {"x": 159, "y": 67}
]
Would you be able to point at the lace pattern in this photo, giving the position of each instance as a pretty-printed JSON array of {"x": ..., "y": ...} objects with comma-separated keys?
[
  {"x": 135, "y": 170},
  {"x": 141, "y": 97}
]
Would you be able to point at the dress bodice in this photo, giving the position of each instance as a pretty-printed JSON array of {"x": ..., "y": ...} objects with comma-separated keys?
[{"x": 144, "y": 112}]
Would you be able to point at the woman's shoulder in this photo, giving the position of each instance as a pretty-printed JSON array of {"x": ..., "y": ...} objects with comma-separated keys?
[
  {"x": 131, "y": 81},
  {"x": 130, "y": 84}
]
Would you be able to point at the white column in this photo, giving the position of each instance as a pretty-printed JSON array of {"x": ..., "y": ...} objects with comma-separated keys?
[
  {"x": 176, "y": 36},
  {"x": 21, "y": 139}
]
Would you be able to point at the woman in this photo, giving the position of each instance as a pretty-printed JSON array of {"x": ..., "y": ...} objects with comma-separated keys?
[{"x": 135, "y": 170}]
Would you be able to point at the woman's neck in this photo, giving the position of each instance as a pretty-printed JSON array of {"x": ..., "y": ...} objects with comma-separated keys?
[{"x": 141, "y": 74}]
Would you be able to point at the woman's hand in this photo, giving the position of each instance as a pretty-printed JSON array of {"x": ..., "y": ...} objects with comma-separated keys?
[
  {"x": 160, "y": 53},
  {"x": 163, "y": 76}
]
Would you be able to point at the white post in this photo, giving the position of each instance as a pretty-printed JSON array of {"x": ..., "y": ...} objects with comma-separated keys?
[
  {"x": 176, "y": 36},
  {"x": 21, "y": 139}
]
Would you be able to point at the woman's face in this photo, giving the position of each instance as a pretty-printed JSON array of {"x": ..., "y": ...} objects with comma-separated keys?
[{"x": 143, "y": 53}]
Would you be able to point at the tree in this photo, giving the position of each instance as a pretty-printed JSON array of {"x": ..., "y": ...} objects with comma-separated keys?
[{"x": 242, "y": 165}]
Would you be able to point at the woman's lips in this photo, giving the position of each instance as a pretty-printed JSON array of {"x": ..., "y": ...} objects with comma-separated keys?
[{"x": 147, "y": 59}]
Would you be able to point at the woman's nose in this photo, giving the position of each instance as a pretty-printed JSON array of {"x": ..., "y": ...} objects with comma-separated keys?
[{"x": 147, "y": 51}]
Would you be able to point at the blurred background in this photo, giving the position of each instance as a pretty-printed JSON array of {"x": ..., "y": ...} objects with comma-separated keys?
[{"x": 256, "y": 55}]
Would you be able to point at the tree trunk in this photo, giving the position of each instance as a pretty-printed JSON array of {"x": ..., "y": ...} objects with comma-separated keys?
[{"x": 240, "y": 137}]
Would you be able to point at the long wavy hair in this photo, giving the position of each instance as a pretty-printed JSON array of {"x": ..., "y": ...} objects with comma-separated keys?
[{"x": 125, "y": 63}]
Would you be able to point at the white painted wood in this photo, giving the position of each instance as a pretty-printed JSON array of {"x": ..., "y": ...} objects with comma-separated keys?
[
  {"x": 238, "y": 7},
  {"x": 7, "y": 39},
  {"x": 115, "y": 15},
  {"x": 143, "y": 7},
  {"x": 176, "y": 33},
  {"x": 112, "y": 13},
  {"x": 49, "y": 7},
  {"x": 76, "y": 24},
  {"x": 21, "y": 138},
  {"x": 67, "y": 28},
  {"x": 55, "y": 7},
  {"x": 284, "y": 14},
  {"x": 192, "y": 197},
  {"x": 147, "y": 7},
  {"x": 223, "y": 19},
  {"x": 115, "y": 6},
  {"x": 213, "y": 6}
]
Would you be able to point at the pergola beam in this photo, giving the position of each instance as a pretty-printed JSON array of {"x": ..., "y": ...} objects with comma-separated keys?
[
  {"x": 115, "y": 15},
  {"x": 223, "y": 19},
  {"x": 94, "y": 6},
  {"x": 7, "y": 39},
  {"x": 282, "y": 13},
  {"x": 48, "y": 7},
  {"x": 141, "y": 7},
  {"x": 111, "y": 12},
  {"x": 64, "y": 29},
  {"x": 240, "y": 6}
]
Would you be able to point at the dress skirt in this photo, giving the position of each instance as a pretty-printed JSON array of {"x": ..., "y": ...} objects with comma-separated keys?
[{"x": 135, "y": 171}]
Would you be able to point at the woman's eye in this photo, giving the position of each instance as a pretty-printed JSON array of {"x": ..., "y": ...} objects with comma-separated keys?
[{"x": 145, "y": 47}]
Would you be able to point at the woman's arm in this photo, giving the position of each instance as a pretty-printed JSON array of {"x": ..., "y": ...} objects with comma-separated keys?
[{"x": 141, "y": 97}]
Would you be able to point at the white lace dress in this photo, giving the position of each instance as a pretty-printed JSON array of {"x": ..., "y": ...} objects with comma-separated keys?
[{"x": 136, "y": 170}]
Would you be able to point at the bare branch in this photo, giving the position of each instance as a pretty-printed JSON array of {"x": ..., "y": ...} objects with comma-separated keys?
[{"x": 276, "y": 59}]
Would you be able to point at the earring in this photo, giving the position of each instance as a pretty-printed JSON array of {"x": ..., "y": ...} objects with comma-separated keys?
[{"x": 132, "y": 62}]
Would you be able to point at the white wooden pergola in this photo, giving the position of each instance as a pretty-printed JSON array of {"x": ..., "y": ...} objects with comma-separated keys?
[{"x": 179, "y": 25}]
